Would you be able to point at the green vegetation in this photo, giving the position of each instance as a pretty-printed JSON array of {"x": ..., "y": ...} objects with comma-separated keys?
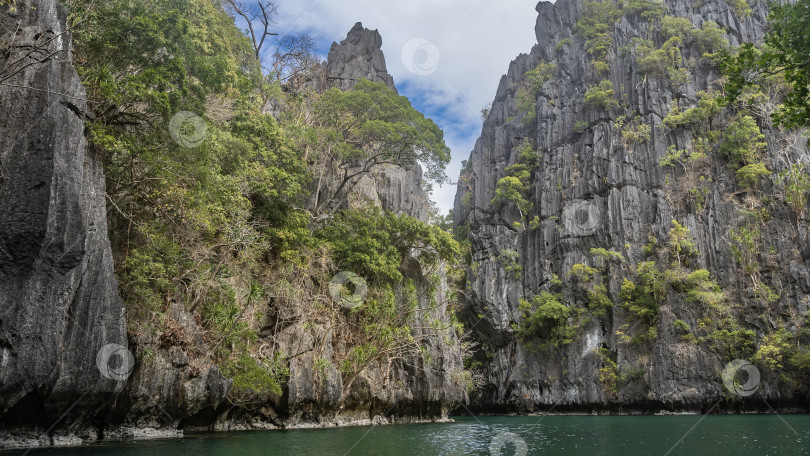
[
  {"x": 526, "y": 95},
  {"x": 676, "y": 27},
  {"x": 693, "y": 186},
  {"x": 681, "y": 245},
  {"x": 257, "y": 212},
  {"x": 510, "y": 262},
  {"x": 654, "y": 283},
  {"x": 374, "y": 243},
  {"x": 741, "y": 7},
  {"x": 710, "y": 40},
  {"x": 592, "y": 280},
  {"x": 633, "y": 132},
  {"x": 514, "y": 187},
  {"x": 784, "y": 53},
  {"x": 596, "y": 25},
  {"x": 545, "y": 317},
  {"x": 744, "y": 144},
  {"x": 796, "y": 181},
  {"x": 363, "y": 129},
  {"x": 609, "y": 372},
  {"x": 644, "y": 300},
  {"x": 697, "y": 118},
  {"x": 563, "y": 43},
  {"x": 649, "y": 10},
  {"x": 511, "y": 189},
  {"x": 265, "y": 210},
  {"x": 664, "y": 61},
  {"x": 602, "y": 96}
]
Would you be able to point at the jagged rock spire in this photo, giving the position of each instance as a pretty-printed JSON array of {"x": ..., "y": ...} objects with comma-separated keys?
[{"x": 359, "y": 56}]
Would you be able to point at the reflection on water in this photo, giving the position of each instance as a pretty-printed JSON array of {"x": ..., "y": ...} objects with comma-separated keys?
[{"x": 555, "y": 435}]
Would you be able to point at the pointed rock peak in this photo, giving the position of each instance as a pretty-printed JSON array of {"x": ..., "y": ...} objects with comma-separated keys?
[{"x": 359, "y": 56}]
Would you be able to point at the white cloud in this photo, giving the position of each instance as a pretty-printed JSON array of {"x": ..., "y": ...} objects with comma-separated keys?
[{"x": 476, "y": 40}]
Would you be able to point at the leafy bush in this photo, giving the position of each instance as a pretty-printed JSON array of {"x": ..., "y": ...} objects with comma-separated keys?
[
  {"x": 743, "y": 142},
  {"x": 679, "y": 27},
  {"x": 539, "y": 75},
  {"x": 710, "y": 40},
  {"x": 595, "y": 25},
  {"x": 598, "y": 300},
  {"x": 510, "y": 189},
  {"x": 648, "y": 9},
  {"x": 749, "y": 176},
  {"x": 601, "y": 96},
  {"x": 510, "y": 262},
  {"x": 373, "y": 243},
  {"x": 583, "y": 273},
  {"x": 609, "y": 372},
  {"x": 665, "y": 61},
  {"x": 681, "y": 245},
  {"x": 513, "y": 188},
  {"x": 605, "y": 255},
  {"x": 796, "y": 181},
  {"x": 741, "y": 7},
  {"x": 697, "y": 117},
  {"x": 644, "y": 300},
  {"x": 772, "y": 348},
  {"x": 700, "y": 288},
  {"x": 634, "y": 132},
  {"x": 745, "y": 248},
  {"x": 252, "y": 376},
  {"x": 734, "y": 344},
  {"x": 563, "y": 43},
  {"x": 545, "y": 317}
]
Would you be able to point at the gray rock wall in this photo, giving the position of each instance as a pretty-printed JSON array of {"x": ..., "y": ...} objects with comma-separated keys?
[
  {"x": 591, "y": 190},
  {"x": 59, "y": 302},
  {"x": 359, "y": 56}
]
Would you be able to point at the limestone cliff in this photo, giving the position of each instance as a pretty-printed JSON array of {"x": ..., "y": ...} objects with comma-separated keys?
[
  {"x": 359, "y": 56},
  {"x": 59, "y": 303},
  {"x": 597, "y": 182}
]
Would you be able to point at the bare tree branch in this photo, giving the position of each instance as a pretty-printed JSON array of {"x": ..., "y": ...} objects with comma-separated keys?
[{"x": 263, "y": 12}]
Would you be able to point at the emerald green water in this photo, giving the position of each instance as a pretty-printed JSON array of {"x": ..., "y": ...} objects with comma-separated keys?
[{"x": 758, "y": 435}]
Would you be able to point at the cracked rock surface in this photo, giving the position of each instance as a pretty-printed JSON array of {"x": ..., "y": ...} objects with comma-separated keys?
[{"x": 592, "y": 190}]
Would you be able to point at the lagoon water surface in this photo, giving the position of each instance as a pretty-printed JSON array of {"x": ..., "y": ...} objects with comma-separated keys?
[{"x": 694, "y": 435}]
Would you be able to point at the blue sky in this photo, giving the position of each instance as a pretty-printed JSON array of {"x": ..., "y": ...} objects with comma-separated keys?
[{"x": 446, "y": 56}]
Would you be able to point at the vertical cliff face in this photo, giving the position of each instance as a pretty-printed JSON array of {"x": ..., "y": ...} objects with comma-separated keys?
[
  {"x": 597, "y": 182},
  {"x": 59, "y": 302}
]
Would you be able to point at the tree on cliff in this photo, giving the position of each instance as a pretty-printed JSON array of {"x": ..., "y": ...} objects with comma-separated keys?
[
  {"x": 786, "y": 52},
  {"x": 364, "y": 129}
]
